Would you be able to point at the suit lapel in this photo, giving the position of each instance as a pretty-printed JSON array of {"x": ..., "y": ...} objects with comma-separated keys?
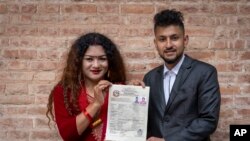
[
  {"x": 180, "y": 78},
  {"x": 160, "y": 85}
]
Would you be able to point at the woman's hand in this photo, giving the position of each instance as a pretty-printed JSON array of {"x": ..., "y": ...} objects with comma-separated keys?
[
  {"x": 82, "y": 120},
  {"x": 136, "y": 82},
  {"x": 100, "y": 91}
]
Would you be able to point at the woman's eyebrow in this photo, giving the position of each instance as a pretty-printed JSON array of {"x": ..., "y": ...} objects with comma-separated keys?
[{"x": 96, "y": 56}]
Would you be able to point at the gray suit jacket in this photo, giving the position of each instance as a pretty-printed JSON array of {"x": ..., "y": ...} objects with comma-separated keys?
[{"x": 192, "y": 112}]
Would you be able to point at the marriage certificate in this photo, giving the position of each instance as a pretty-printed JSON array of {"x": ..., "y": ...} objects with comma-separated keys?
[{"x": 127, "y": 113}]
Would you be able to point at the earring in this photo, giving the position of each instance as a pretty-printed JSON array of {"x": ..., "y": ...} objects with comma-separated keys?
[
  {"x": 79, "y": 78},
  {"x": 108, "y": 74}
]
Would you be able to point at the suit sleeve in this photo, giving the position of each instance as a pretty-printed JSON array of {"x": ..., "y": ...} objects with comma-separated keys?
[
  {"x": 208, "y": 110},
  {"x": 66, "y": 123},
  {"x": 145, "y": 80}
]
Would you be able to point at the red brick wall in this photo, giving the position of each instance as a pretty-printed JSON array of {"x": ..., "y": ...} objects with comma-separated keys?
[{"x": 36, "y": 34}]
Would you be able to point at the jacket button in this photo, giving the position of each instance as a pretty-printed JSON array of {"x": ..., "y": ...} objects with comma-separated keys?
[{"x": 166, "y": 119}]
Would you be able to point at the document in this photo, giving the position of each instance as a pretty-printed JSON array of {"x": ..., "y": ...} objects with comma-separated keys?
[{"x": 127, "y": 113}]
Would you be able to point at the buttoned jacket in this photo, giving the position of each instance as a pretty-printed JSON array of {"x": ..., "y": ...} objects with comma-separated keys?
[{"x": 192, "y": 111}]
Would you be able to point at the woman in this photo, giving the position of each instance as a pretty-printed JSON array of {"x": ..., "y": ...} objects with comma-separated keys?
[{"x": 79, "y": 101}]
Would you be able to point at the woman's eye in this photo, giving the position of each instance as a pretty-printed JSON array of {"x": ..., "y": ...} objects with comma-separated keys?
[
  {"x": 88, "y": 59},
  {"x": 103, "y": 59}
]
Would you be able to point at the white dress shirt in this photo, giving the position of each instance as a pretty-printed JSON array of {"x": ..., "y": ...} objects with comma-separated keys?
[{"x": 169, "y": 77}]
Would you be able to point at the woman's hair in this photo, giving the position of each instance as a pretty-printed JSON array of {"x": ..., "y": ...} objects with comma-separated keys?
[{"x": 72, "y": 74}]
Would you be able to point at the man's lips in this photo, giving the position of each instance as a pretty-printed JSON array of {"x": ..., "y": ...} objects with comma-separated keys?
[{"x": 170, "y": 52}]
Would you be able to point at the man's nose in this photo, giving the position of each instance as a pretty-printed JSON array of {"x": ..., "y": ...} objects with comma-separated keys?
[{"x": 168, "y": 43}]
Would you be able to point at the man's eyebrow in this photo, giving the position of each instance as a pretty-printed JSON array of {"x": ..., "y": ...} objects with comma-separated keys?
[
  {"x": 164, "y": 36},
  {"x": 174, "y": 35}
]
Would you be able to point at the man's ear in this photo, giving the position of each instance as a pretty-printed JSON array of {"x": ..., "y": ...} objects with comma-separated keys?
[
  {"x": 155, "y": 41},
  {"x": 186, "y": 39}
]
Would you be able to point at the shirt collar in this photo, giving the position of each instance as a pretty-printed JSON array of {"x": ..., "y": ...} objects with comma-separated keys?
[{"x": 176, "y": 68}]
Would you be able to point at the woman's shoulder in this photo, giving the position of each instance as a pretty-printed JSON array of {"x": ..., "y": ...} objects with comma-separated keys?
[{"x": 57, "y": 90}]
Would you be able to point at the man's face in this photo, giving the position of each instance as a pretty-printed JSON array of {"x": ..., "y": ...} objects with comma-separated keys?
[{"x": 170, "y": 42}]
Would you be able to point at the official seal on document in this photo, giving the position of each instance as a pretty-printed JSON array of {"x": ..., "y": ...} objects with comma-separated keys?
[{"x": 116, "y": 93}]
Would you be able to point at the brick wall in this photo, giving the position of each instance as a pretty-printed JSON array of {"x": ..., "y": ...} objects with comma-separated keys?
[{"x": 35, "y": 36}]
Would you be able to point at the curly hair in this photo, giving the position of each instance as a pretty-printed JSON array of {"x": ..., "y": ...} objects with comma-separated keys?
[
  {"x": 169, "y": 17},
  {"x": 72, "y": 74}
]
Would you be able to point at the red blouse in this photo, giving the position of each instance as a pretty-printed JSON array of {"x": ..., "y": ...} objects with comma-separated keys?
[{"x": 67, "y": 123}]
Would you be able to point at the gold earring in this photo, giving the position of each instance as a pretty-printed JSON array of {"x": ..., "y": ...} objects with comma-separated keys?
[{"x": 108, "y": 74}]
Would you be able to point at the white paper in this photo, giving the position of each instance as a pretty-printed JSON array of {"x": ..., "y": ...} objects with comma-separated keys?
[{"x": 127, "y": 113}]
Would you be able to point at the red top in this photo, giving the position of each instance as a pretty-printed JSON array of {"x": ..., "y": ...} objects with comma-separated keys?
[{"x": 67, "y": 123}]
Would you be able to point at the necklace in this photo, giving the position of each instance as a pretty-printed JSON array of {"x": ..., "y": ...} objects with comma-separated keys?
[{"x": 90, "y": 98}]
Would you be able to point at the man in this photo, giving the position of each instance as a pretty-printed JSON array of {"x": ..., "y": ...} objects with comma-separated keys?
[{"x": 184, "y": 99}]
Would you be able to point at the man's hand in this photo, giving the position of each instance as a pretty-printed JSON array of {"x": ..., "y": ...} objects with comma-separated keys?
[{"x": 155, "y": 139}]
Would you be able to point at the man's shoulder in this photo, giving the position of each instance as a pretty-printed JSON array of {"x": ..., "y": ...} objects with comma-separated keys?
[
  {"x": 203, "y": 65},
  {"x": 155, "y": 70},
  {"x": 200, "y": 64}
]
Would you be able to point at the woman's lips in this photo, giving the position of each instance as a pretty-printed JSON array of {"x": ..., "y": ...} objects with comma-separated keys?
[{"x": 95, "y": 71}]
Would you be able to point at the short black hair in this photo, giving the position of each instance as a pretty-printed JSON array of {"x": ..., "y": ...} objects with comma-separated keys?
[{"x": 169, "y": 17}]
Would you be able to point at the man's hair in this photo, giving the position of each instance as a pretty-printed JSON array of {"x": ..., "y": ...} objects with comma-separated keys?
[{"x": 169, "y": 17}]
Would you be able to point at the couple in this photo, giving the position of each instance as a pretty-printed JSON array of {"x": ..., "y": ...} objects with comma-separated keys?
[{"x": 184, "y": 99}]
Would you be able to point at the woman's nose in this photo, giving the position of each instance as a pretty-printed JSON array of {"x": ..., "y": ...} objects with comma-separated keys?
[{"x": 96, "y": 63}]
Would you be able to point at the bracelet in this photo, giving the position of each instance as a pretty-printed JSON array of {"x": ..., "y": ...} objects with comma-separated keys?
[
  {"x": 96, "y": 123},
  {"x": 87, "y": 115}
]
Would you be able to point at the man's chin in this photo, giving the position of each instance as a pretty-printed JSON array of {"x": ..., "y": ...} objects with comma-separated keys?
[
  {"x": 170, "y": 61},
  {"x": 173, "y": 60}
]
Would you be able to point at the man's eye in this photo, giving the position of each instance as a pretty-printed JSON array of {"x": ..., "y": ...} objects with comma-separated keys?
[
  {"x": 175, "y": 38},
  {"x": 161, "y": 39}
]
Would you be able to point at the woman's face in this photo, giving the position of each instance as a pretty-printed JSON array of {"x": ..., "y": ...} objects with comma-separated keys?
[{"x": 95, "y": 63}]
